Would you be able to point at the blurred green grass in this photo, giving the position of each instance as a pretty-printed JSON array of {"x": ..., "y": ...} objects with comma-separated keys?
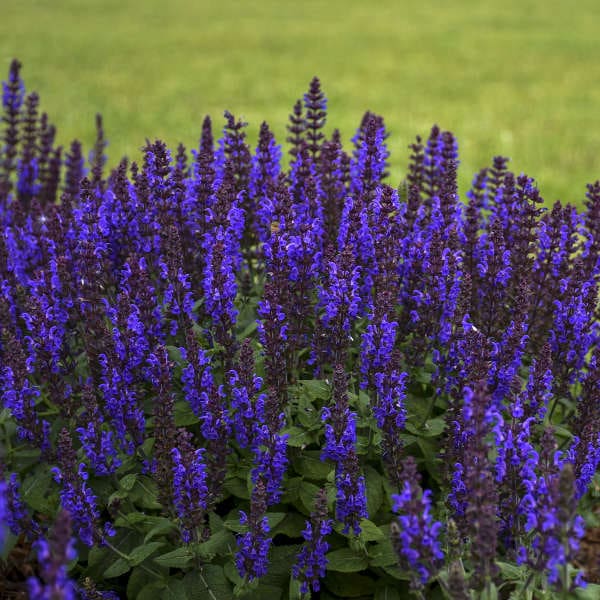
[{"x": 514, "y": 78}]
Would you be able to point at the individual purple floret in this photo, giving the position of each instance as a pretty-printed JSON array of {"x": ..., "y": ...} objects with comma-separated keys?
[
  {"x": 311, "y": 563},
  {"x": 53, "y": 555}
]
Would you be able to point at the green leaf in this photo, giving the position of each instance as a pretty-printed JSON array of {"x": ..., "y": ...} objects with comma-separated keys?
[
  {"x": 264, "y": 592},
  {"x": 345, "y": 560},
  {"x": 196, "y": 583},
  {"x": 162, "y": 526},
  {"x": 292, "y": 525},
  {"x": 383, "y": 554},
  {"x": 275, "y": 518},
  {"x": 511, "y": 572},
  {"x": 387, "y": 592},
  {"x": 292, "y": 490},
  {"x": 149, "y": 592},
  {"x": 310, "y": 466},
  {"x": 232, "y": 573},
  {"x": 349, "y": 585},
  {"x": 175, "y": 590},
  {"x": 145, "y": 493},
  {"x": 294, "y": 591},
  {"x": 218, "y": 543},
  {"x": 233, "y": 524},
  {"x": 126, "y": 483},
  {"x": 315, "y": 388},
  {"x": 281, "y": 560},
  {"x": 179, "y": 558},
  {"x": 433, "y": 427},
  {"x": 370, "y": 532},
  {"x": 591, "y": 592},
  {"x": 184, "y": 415},
  {"x": 35, "y": 490},
  {"x": 298, "y": 437},
  {"x": 396, "y": 572},
  {"x": 373, "y": 481},
  {"x": 248, "y": 330},
  {"x": 141, "y": 553},
  {"x": 175, "y": 354},
  {"x": 237, "y": 487},
  {"x": 137, "y": 581},
  {"x": 307, "y": 493},
  {"x": 119, "y": 567}
]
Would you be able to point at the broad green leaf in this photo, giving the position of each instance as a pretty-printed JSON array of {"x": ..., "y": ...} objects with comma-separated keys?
[
  {"x": 292, "y": 490},
  {"x": 345, "y": 560},
  {"x": 387, "y": 592},
  {"x": 264, "y": 592},
  {"x": 137, "y": 581},
  {"x": 179, "y": 558},
  {"x": 370, "y": 532},
  {"x": 275, "y": 518},
  {"x": 396, "y": 573},
  {"x": 433, "y": 427},
  {"x": 281, "y": 559},
  {"x": 591, "y": 592},
  {"x": 145, "y": 493},
  {"x": 141, "y": 553},
  {"x": 373, "y": 481},
  {"x": 510, "y": 571},
  {"x": 211, "y": 577},
  {"x": 310, "y": 466},
  {"x": 294, "y": 590},
  {"x": 349, "y": 585},
  {"x": 292, "y": 525},
  {"x": 175, "y": 590},
  {"x": 162, "y": 526},
  {"x": 150, "y": 591},
  {"x": 248, "y": 330},
  {"x": 315, "y": 388},
  {"x": 383, "y": 554},
  {"x": 119, "y": 567},
  {"x": 233, "y": 524},
  {"x": 308, "y": 492},
  {"x": 220, "y": 542},
  {"x": 298, "y": 437},
  {"x": 237, "y": 487},
  {"x": 184, "y": 415},
  {"x": 128, "y": 481},
  {"x": 35, "y": 490}
]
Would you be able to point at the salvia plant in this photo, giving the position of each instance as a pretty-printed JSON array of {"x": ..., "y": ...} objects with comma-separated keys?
[{"x": 227, "y": 372}]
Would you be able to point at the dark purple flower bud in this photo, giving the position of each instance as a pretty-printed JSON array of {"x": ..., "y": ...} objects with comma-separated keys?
[
  {"x": 13, "y": 93},
  {"x": 315, "y": 104}
]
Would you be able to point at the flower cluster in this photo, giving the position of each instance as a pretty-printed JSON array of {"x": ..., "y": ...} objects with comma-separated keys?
[{"x": 207, "y": 341}]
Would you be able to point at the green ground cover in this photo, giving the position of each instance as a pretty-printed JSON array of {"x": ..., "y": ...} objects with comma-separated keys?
[{"x": 515, "y": 77}]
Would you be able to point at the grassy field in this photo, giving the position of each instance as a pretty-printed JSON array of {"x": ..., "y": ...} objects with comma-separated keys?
[{"x": 513, "y": 77}]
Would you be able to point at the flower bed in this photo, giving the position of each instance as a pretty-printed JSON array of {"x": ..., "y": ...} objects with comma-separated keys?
[{"x": 221, "y": 377}]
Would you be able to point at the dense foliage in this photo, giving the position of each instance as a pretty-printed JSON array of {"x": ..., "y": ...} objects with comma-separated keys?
[{"x": 223, "y": 378}]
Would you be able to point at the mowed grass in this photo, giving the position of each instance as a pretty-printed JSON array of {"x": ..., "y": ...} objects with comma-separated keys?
[{"x": 517, "y": 77}]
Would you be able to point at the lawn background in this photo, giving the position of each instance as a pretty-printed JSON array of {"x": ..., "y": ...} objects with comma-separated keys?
[{"x": 516, "y": 77}]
